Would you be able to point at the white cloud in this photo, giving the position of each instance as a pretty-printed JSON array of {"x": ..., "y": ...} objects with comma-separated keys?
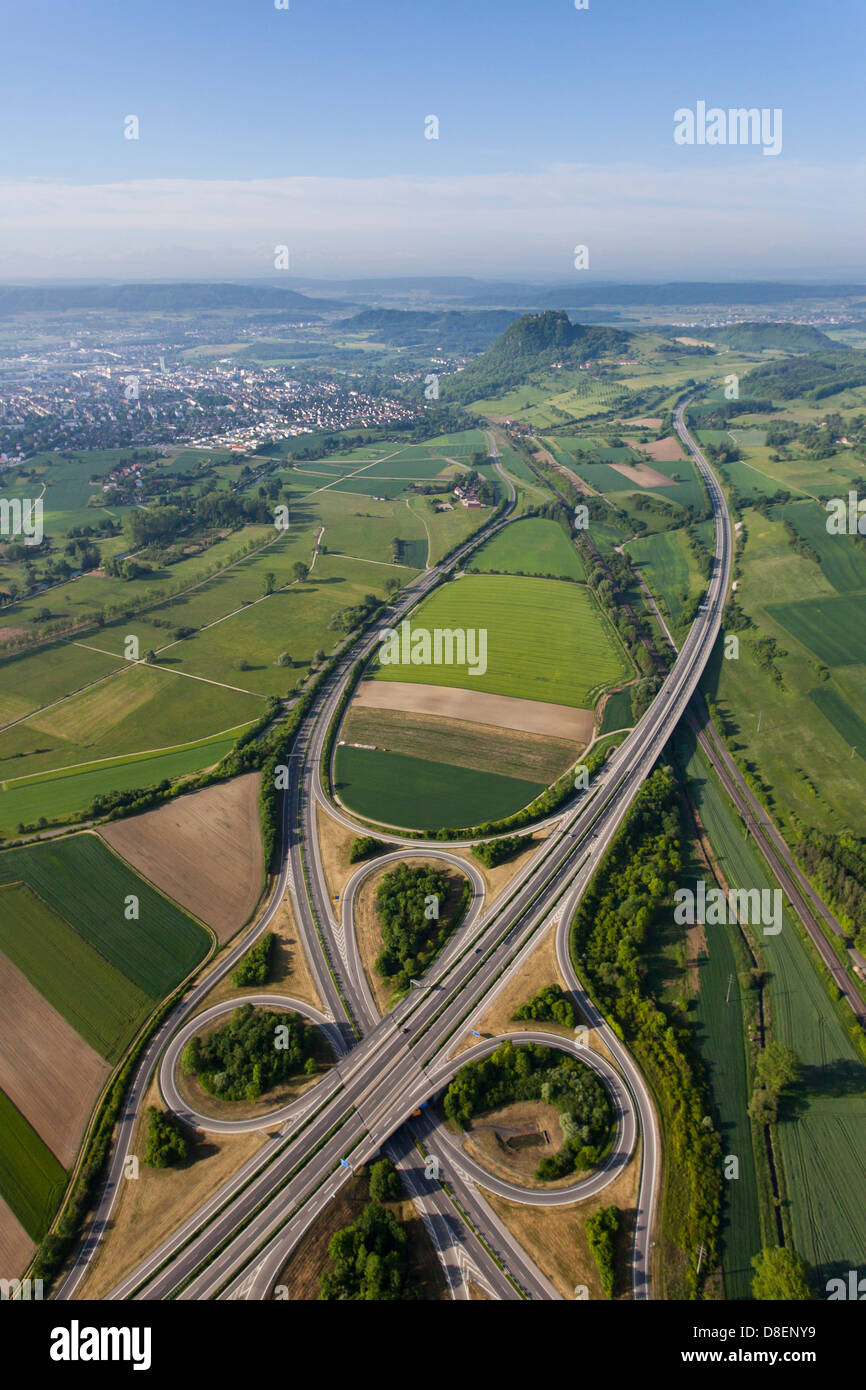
[{"x": 704, "y": 215}]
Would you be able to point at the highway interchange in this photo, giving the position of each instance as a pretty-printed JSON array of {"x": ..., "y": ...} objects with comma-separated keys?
[{"x": 237, "y": 1243}]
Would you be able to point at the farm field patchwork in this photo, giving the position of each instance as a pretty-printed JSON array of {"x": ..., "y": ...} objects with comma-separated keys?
[
  {"x": 460, "y": 742},
  {"x": 47, "y": 1070},
  {"x": 204, "y": 850},
  {"x": 69, "y": 793},
  {"x": 827, "y": 1119},
  {"x": 667, "y": 565},
  {"x": 831, "y": 628},
  {"x": 87, "y": 885},
  {"x": 842, "y": 558},
  {"x": 96, "y": 999}
]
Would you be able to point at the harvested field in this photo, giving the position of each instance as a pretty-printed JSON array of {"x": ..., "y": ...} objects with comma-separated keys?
[
  {"x": 501, "y": 711},
  {"x": 643, "y": 475},
  {"x": 47, "y": 1071},
  {"x": 460, "y": 743},
  {"x": 667, "y": 450},
  {"x": 647, "y": 422},
  {"x": 16, "y": 1247},
  {"x": 204, "y": 850}
]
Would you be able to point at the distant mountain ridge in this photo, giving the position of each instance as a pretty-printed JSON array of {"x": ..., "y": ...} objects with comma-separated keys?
[
  {"x": 24, "y": 299},
  {"x": 453, "y": 330}
]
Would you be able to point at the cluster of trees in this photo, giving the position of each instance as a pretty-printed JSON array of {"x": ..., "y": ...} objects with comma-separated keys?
[
  {"x": 347, "y": 619},
  {"x": 602, "y": 1230},
  {"x": 251, "y": 1053},
  {"x": 165, "y": 1144},
  {"x": 493, "y": 852},
  {"x": 362, "y": 847},
  {"x": 410, "y": 903},
  {"x": 609, "y": 936},
  {"x": 836, "y": 864},
  {"x": 549, "y": 1005},
  {"x": 125, "y": 567},
  {"x": 814, "y": 376},
  {"x": 539, "y": 1073},
  {"x": 767, "y": 653},
  {"x": 385, "y": 1182},
  {"x": 799, "y": 544},
  {"x": 780, "y": 1276},
  {"x": 776, "y": 1068},
  {"x": 255, "y": 967},
  {"x": 370, "y": 1260}
]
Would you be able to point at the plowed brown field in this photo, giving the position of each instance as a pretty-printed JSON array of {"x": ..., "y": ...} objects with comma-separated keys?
[{"x": 204, "y": 850}]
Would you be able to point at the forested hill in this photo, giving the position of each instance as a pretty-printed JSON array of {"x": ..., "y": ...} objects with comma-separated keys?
[
  {"x": 790, "y": 337},
  {"x": 532, "y": 343},
  {"x": 815, "y": 376}
]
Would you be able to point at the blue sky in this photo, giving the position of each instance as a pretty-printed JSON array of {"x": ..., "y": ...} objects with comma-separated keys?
[{"x": 253, "y": 117}]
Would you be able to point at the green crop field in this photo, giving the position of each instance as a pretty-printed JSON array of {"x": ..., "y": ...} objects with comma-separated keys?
[
  {"x": 532, "y": 546},
  {"x": 667, "y": 565},
  {"x": 31, "y": 681},
  {"x": 108, "y": 720},
  {"x": 546, "y": 640},
  {"x": 100, "y": 1003},
  {"x": 843, "y": 559},
  {"x": 845, "y": 720},
  {"x": 296, "y": 619},
  {"x": 71, "y": 791},
  {"x": 720, "y": 1032},
  {"x": 31, "y": 1179},
  {"x": 419, "y": 794},
  {"x": 365, "y": 528},
  {"x": 617, "y": 712},
  {"x": 87, "y": 885},
  {"x": 832, "y": 628},
  {"x": 823, "y": 1132}
]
